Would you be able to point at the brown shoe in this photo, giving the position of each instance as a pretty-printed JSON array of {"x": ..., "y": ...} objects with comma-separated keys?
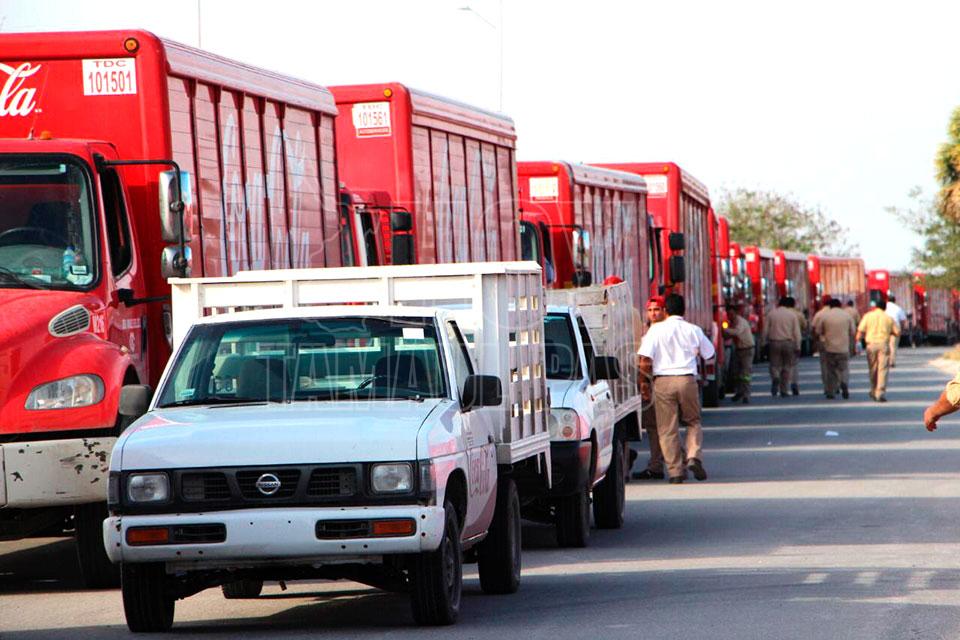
[
  {"x": 676, "y": 480},
  {"x": 696, "y": 468},
  {"x": 647, "y": 474}
]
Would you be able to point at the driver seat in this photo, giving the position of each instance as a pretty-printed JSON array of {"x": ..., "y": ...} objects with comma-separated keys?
[{"x": 53, "y": 217}]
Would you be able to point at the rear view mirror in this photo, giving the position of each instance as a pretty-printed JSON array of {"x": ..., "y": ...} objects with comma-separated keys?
[
  {"x": 401, "y": 221},
  {"x": 174, "y": 265},
  {"x": 482, "y": 391},
  {"x": 606, "y": 368},
  {"x": 676, "y": 241},
  {"x": 582, "y": 278},
  {"x": 678, "y": 271},
  {"x": 134, "y": 400},
  {"x": 402, "y": 249},
  {"x": 173, "y": 203}
]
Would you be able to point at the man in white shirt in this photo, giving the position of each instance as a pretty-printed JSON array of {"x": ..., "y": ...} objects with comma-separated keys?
[
  {"x": 899, "y": 316},
  {"x": 669, "y": 353}
]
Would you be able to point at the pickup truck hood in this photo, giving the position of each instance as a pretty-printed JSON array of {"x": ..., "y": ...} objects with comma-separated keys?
[
  {"x": 299, "y": 433},
  {"x": 562, "y": 392}
]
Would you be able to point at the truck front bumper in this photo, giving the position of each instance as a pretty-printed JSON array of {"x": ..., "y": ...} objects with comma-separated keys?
[
  {"x": 275, "y": 535},
  {"x": 570, "y": 463},
  {"x": 49, "y": 473}
]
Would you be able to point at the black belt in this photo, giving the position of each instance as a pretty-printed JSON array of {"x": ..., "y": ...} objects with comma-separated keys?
[{"x": 674, "y": 375}]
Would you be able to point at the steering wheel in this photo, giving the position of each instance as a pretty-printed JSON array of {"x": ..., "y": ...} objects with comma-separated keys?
[
  {"x": 373, "y": 379},
  {"x": 36, "y": 231}
]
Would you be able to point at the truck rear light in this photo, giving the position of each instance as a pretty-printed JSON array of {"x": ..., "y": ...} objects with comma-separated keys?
[
  {"x": 148, "y": 535},
  {"x": 404, "y": 527}
]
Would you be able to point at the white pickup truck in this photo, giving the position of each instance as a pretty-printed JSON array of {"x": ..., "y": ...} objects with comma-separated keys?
[
  {"x": 305, "y": 439},
  {"x": 594, "y": 405}
]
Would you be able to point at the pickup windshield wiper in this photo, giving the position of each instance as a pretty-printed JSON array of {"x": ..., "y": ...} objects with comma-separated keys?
[
  {"x": 217, "y": 401},
  {"x": 8, "y": 275}
]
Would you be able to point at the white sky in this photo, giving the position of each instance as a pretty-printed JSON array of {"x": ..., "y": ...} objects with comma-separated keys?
[{"x": 840, "y": 103}]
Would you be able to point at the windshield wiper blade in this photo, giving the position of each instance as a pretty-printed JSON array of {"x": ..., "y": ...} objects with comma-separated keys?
[
  {"x": 199, "y": 402},
  {"x": 13, "y": 276}
]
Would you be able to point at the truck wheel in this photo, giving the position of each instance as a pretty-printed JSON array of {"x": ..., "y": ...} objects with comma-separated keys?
[
  {"x": 243, "y": 588},
  {"x": 95, "y": 567},
  {"x": 573, "y": 519},
  {"x": 146, "y": 604},
  {"x": 437, "y": 577},
  {"x": 711, "y": 394},
  {"x": 499, "y": 557},
  {"x": 610, "y": 496}
]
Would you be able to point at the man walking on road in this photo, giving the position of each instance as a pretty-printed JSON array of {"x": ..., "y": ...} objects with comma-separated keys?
[
  {"x": 835, "y": 331},
  {"x": 947, "y": 403},
  {"x": 899, "y": 316},
  {"x": 851, "y": 309},
  {"x": 654, "y": 470},
  {"x": 782, "y": 333},
  {"x": 804, "y": 327},
  {"x": 741, "y": 334},
  {"x": 669, "y": 350},
  {"x": 877, "y": 328}
]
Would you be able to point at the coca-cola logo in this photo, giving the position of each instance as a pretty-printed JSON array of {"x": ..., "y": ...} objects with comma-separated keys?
[{"x": 16, "y": 99}]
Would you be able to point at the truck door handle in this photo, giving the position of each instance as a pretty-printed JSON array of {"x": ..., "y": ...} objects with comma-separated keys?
[{"x": 489, "y": 438}]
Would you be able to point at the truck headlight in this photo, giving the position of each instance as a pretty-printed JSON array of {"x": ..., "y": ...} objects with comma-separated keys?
[
  {"x": 392, "y": 478},
  {"x": 563, "y": 424},
  {"x": 68, "y": 393},
  {"x": 148, "y": 487}
]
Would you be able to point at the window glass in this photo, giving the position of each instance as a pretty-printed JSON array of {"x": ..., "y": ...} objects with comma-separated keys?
[
  {"x": 529, "y": 243},
  {"x": 461, "y": 358},
  {"x": 560, "y": 348},
  {"x": 118, "y": 230}
]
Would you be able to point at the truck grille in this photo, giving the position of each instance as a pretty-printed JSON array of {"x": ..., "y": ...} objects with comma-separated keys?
[
  {"x": 339, "y": 529},
  {"x": 71, "y": 321},
  {"x": 196, "y": 487},
  {"x": 198, "y": 533},
  {"x": 332, "y": 482},
  {"x": 247, "y": 481}
]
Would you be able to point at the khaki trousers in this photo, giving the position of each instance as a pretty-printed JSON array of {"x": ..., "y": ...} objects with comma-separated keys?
[
  {"x": 894, "y": 343},
  {"x": 836, "y": 371},
  {"x": 678, "y": 400},
  {"x": 744, "y": 371},
  {"x": 783, "y": 360},
  {"x": 649, "y": 423},
  {"x": 878, "y": 357}
]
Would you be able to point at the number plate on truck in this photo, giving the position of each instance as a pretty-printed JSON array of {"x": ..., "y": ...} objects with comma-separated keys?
[
  {"x": 109, "y": 77},
  {"x": 371, "y": 119}
]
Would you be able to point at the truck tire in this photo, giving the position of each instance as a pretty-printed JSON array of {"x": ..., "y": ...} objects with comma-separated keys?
[
  {"x": 146, "y": 604},
  {"x": 573, "y": 519},
  {"x": 499, "y": 555},
  {"x": 437, "y": 577},
  {"x": 610, "y": 496},
  {"x": 241, "y": 589},
  {"x": 711, "y": 394},
  {"x": 95, "y": 567}
]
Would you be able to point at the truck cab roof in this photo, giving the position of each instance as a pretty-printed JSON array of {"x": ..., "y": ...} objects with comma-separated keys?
[{"x": 334, "y": 311}]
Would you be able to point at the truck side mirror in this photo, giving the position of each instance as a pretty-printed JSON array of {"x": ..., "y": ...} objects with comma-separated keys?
[
  {"x": 134, "y": 400},
  {"x": 582, "y": 278},
  {"x": 676, "y": 241},
  {"x": 678, "y": 270},
  {"x": 173, "y": 202},
  {"x": 401, "y": 221},
  {"x": 481, "y": 391},
  {"x": 402, "y": 249},
  {"x": 606, "y": 368},
  {"x": 174, "y": 265}
]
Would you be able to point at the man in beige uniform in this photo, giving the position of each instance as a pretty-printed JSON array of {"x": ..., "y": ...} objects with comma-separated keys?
[
  {"x": 781, "y": 332},
  {"x": 670, "y": 351},
  {"x": 851, "y": 309},
  {"x": 835, "y": 330},
  {"x": 877, "y": 327},
  {"x": 824, "y": 306},
  {"x": 741, "y": 334},
  {"x": 947, "y": 403},
  {"x": 804, "y": 327},
  {"x": 648, "y": 416}
]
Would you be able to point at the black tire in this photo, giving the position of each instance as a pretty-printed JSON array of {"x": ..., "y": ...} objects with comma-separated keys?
[
  {"x": 573, "y": 519},
  {"x": 437, "y": 577},
  {"x": 146, "y": 604},
  {"x": 711, "y": 394},
  {"x": 241, "y": 589},
  {"x": 95, "y": 567},
  {"x": 610, "y": 496},
  {"x": 499, "y": 556}
]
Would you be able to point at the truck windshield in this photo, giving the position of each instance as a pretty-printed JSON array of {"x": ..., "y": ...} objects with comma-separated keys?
[
  {"x": 47, "y": 230},
  {"x": 358, "y": 358},
  {"x": 560, "y": 348}
]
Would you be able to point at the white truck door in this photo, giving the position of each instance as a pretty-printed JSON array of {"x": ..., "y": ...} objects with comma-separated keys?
[
  {"x": 601, "y": 398},
  {"x": 477, "y": 427}
]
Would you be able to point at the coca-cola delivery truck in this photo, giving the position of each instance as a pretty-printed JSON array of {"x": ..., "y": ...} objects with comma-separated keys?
[
  {"x": 442, "y": 174},
  {"x": 93, "y": 129}
]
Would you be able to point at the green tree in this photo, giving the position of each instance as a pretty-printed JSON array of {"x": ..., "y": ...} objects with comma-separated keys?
[
  {"x": 777, "y": 221},
  {"x": 939, "y": 257},
  {"x": 948, "y": 170}
]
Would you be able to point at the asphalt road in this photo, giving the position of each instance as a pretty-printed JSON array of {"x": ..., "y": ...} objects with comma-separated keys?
[{"x": 820, "y": 519}]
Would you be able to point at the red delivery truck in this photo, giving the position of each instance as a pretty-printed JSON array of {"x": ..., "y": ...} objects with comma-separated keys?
[
  {"x": 937, "y": 318},
  {"x": 679, "y": 205},
  {"x": 587, "y": 223},
  {"x": 790, "y": 268},
  {"x": 882, "y": 284},
  {"x": 719, "y": 285},
  {"x": 763, "y": 284},
  {"x": 93, "y": 128},
  {"x": 843, "y": 278},
  {"x": 441, "y": 174}
]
